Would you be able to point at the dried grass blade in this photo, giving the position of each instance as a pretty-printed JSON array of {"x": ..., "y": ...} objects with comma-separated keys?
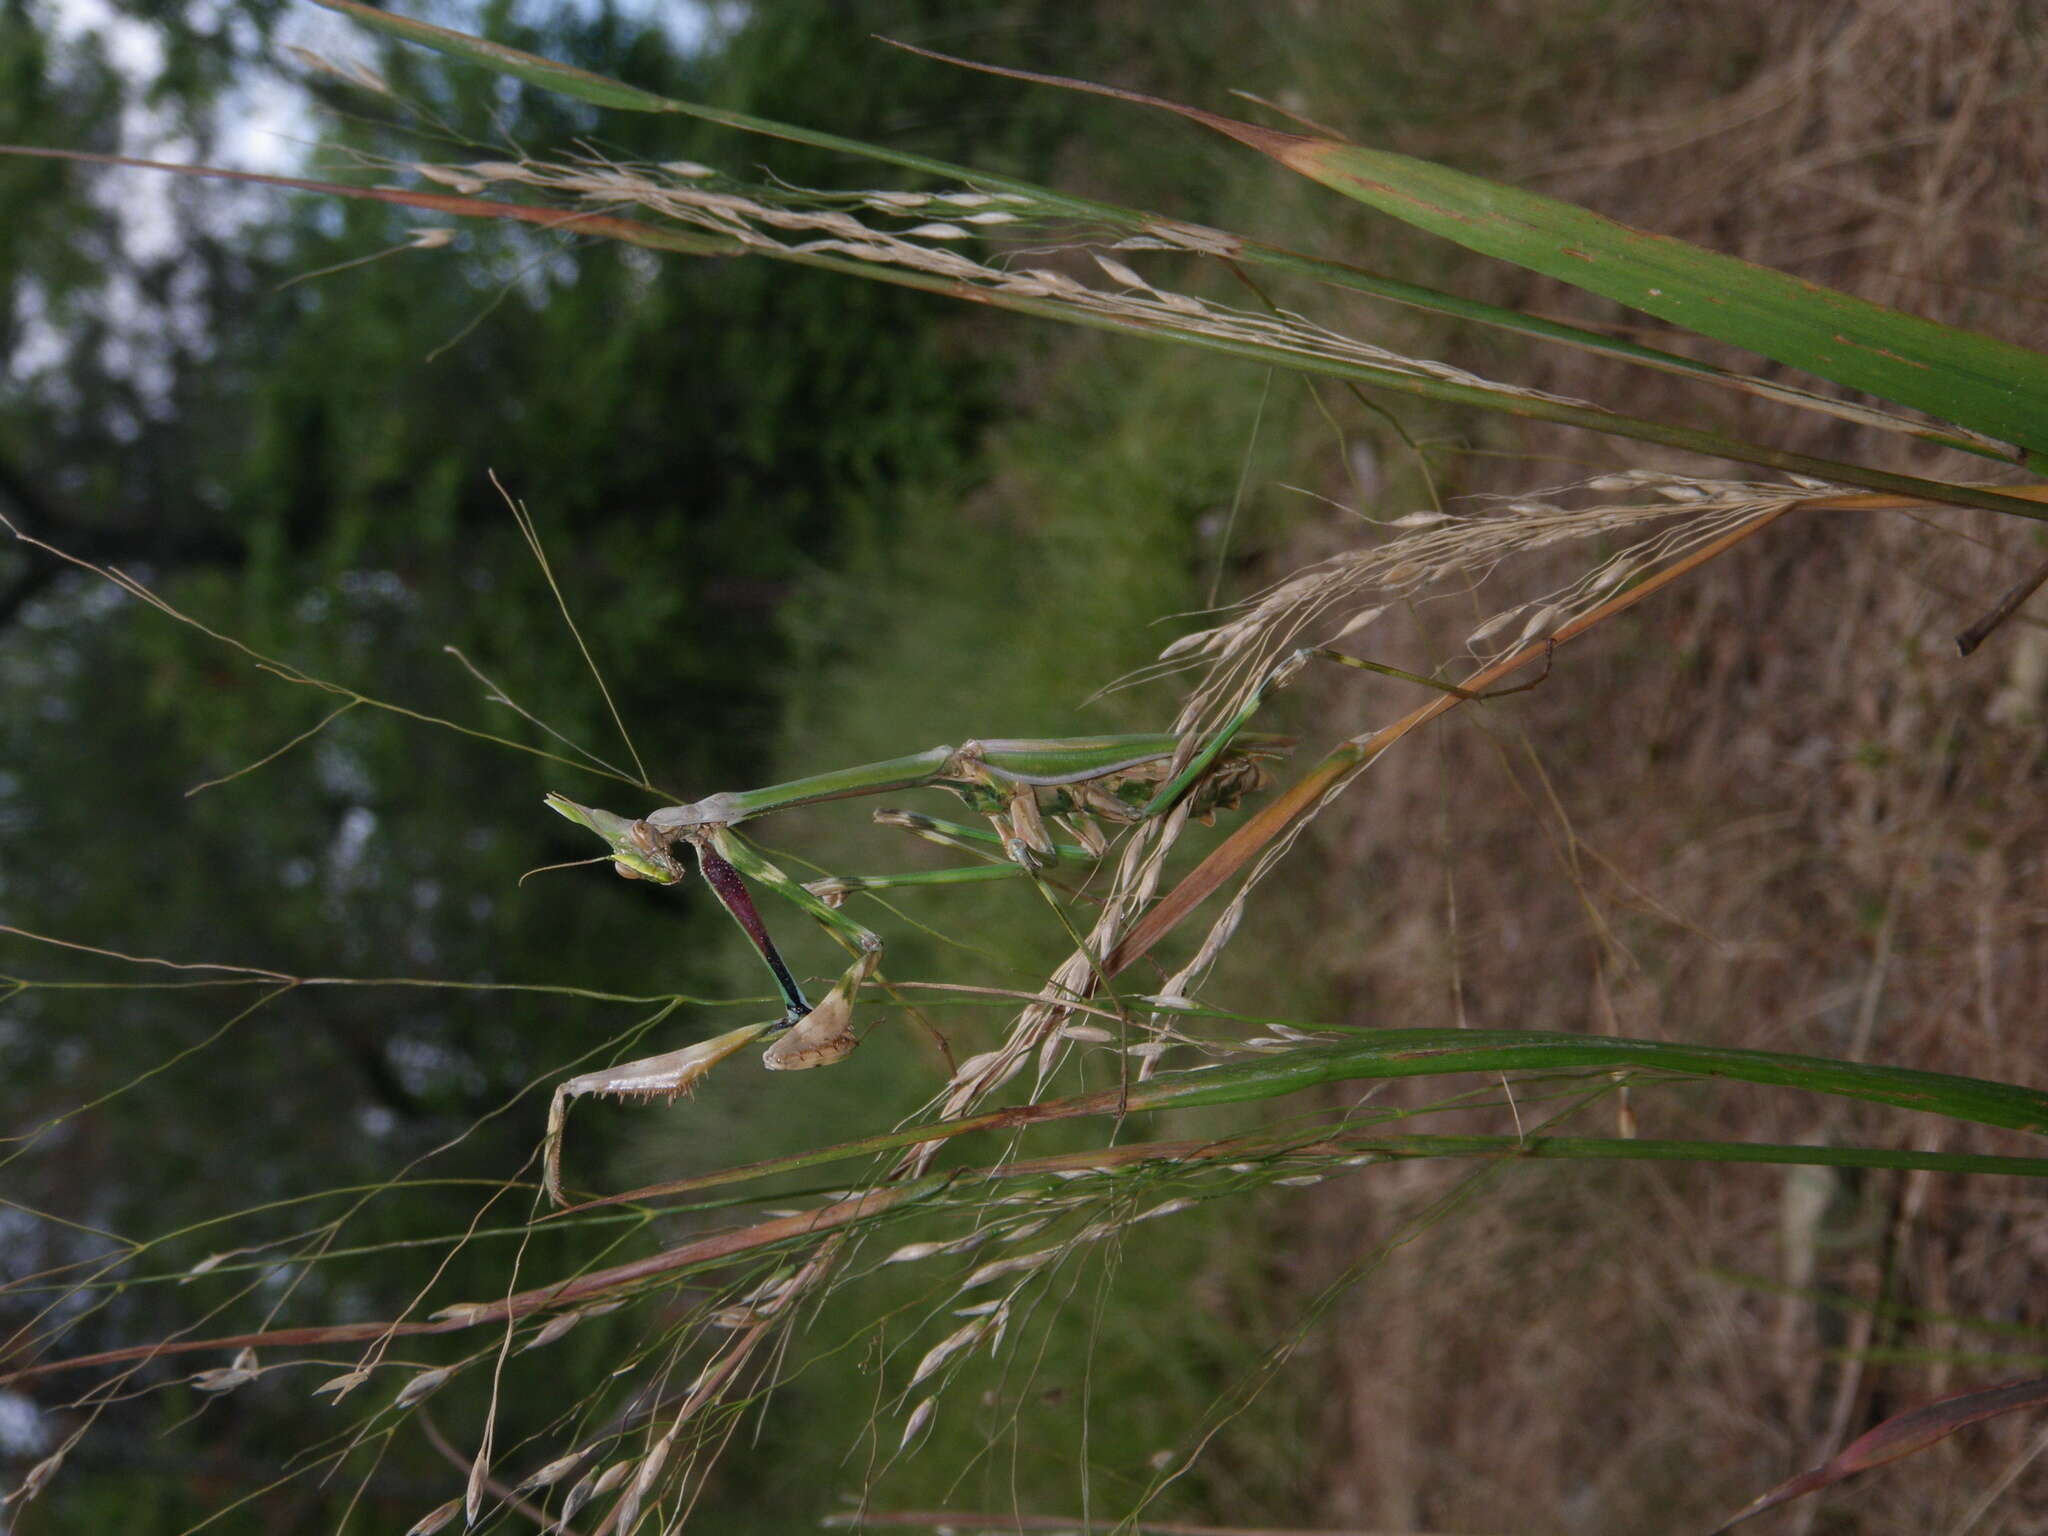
[
  {"x": 1279, "y": 814},
  {"x": 1976, "y": 381},
  {"x": 1901, "y": 1435},
  {"x": 604, "y": 91}
]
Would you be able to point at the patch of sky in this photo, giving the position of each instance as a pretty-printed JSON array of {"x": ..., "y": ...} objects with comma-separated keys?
[
  {"x": 267, "y": 123},
  {"x": 22, "y": 1430},
  {"x": 19, "y": 1230},
  {"x": 97, "y": 599},
  {"x": 75, "y": 598},
  {"x": 369, "y": 587},
  {"x": 425, "y": 1066},
  {"x": 340, "y": 772},
  {"x": 375, "y": 1121},
  {"x": 351, "y": 841}
]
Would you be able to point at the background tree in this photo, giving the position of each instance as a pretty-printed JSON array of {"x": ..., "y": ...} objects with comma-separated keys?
[{"x": 302, "y": 460}]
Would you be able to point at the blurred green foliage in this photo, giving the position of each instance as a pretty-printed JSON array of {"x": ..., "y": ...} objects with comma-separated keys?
[
  {"x": 305, "y": 467},
  {"x": 758, "y": 489},
  {"x": 802, "y": 522}
]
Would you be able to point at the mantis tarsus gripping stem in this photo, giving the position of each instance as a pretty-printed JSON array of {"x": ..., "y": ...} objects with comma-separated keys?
[{"x": 1019, "y": 785}]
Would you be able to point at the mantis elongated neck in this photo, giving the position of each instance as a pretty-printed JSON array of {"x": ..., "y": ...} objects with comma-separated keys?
[{"x": 734, "y": 806}]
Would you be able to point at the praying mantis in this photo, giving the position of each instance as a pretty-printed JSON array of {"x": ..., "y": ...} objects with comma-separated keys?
[{"x": 1020, "y": 785}]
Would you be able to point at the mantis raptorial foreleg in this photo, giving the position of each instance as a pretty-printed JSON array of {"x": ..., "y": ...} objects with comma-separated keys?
[
  {"x": 651, "y": 1077},
  {"x": 807, "y": 1036}
]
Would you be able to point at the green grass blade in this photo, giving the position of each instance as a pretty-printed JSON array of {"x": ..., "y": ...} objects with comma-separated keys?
[
  {"x": 1388, "y": 1053},
  {"x": 569, "y": 81},
  {"x": 602, "y": 91},
  {"x": 1961, "y": 376},
  {"x": 1973, "y": 380},
  {"x": 1424, "y": 1052},
  {"x": 1481, "y": 395}
]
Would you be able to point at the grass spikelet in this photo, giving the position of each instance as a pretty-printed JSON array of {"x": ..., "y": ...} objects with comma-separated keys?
[
  {"x": 36, "y": 1478},
  {"x": 343, "y": 1384},
  {"x": 910, "y": 1253},
  {"x": 435, "y": 1519},
  {"x": 228, "y": 1377},
  {"x": 963, "y": 1337},
  {"x": 423, "y": 1386},
  {"x": 552, "y": 1330},
  {"x": 919, "y": 1421},
  {"x": 1023, "y": 1263},
  {"x": 350, "y": 73},
  {"x": 645, "y": 1481},
  {"x": 553, "y": 1472},
  {"x": 597, "y": 1485}
]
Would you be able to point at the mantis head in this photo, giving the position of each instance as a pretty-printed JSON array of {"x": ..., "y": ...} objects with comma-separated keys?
[{"x": 637, "y": 853}]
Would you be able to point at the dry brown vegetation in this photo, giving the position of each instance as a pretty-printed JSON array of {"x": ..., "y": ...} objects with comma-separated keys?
[{"x": 1770, "y": 809}]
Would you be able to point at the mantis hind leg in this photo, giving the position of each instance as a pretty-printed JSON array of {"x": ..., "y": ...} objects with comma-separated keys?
[
  {"x": 834, "y": 889},
  {"x": 1170, "y": 793},
  {"x": 1324, "y": 653}
]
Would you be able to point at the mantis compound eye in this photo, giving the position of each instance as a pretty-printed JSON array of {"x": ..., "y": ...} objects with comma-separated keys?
[{"x": 638, "y": 851}]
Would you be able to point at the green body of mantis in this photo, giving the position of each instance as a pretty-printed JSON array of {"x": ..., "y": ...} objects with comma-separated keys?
[{"x": 1077, "y": 783}]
